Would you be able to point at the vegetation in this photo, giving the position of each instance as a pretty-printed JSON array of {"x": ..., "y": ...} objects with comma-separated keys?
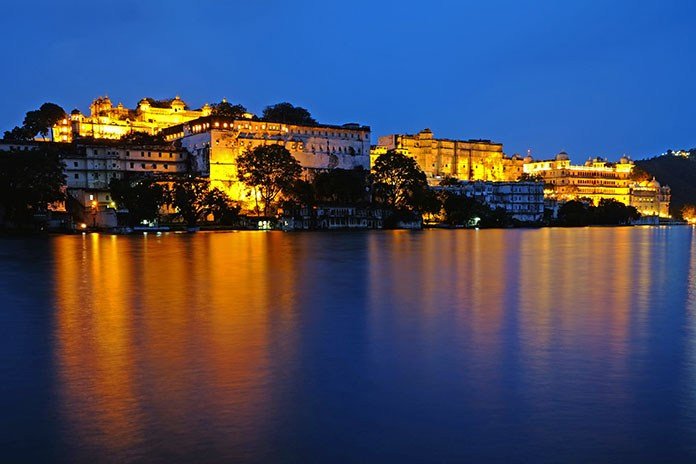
[
  {"x": 288, "y": 114},
  {"x": 676, "y": 171},
  {"x": 225, "y": 109},
  {"x": 460, "y": 210},
  {"x": 342, "y": 186},
  {"x": 144, "y": 139},
  {"x": 608, "y": 212},
  {"x": 398, "y": 182},
  {"x": 37, "y": 122},
  {"x": 194, "y": 200},
  {"x": 268, "y": 170},
  {"x": 141, "y": 197},
  {"x": 29, "y": 182}
]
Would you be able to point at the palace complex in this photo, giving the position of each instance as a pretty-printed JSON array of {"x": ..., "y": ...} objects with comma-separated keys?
[
  {"x": 214, "y": 143},
  {"x": 206, "y": 145},
  {"x": 461, "y": 159},
  {"x": 106, "y": 121},
  {"x": 598, "y": 179}
]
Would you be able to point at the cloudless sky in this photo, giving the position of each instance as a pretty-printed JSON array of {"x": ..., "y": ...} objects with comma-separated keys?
[{"x": 594, "y": 78}]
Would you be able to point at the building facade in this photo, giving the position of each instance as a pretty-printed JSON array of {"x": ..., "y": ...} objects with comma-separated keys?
[
  {"x": 214, "y": 143},
  {"x": 89, "y": 168},
  {"x": 650, "y": 198},
  {"x": 523, "y": 201},
  {"x": 600, "y": 179},
  {"x": 107, "y": 121},
  {"x": 466, "y": 160}
]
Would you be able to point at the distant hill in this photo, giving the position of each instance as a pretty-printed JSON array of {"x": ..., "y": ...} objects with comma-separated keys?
[{"x": 676, "y": 170}]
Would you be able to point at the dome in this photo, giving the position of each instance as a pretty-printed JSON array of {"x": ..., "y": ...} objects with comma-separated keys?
[
  {"x": 178, "y": 102},
  {"x": 654, "y": 183},
  {"x": 562, "y": 156},
  {"x": 624, "y": 159}
]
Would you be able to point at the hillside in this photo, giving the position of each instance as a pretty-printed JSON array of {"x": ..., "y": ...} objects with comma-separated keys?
[{"x": 679, "y": 172}]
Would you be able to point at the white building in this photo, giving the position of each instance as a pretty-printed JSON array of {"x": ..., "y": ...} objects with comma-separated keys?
[{"x": 523, "y": 201}]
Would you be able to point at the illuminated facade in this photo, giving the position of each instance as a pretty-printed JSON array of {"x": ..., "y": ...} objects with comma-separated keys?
[
  {"x": 113, "y": 122},
  {"x": 650, "y": 198},
  {"x": 462, "y": 159},
  {"x": 598, "y": 179},
  {"x": 214, "y": 143}
]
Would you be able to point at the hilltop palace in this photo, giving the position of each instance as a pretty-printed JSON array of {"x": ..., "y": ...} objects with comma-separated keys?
[{"x": 202, "y": 144}]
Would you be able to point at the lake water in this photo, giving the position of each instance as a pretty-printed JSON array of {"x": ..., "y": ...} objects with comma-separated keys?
[{"x": 549, "y": 345}]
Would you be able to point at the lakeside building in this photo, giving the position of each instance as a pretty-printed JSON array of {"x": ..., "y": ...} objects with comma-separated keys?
[
  {"x": 214, "y": 143},
  {"x": 332, "y": 217},
  {"x": 465, "y": 160},
  {"x": 107, "y": 121},
  {"x": 89, "y": 167},
  {"x": 523, "y": 200},
  {"x": 598, "y": 179}
]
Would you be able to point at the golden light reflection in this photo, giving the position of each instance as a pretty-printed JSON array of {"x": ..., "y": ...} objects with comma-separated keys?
[{"x": 153, "y": 332}]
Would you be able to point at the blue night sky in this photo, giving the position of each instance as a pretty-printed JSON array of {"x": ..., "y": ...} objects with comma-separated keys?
[{"x": 584, "y": 76}]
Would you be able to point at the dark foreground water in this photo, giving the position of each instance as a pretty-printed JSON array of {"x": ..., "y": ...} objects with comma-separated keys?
[{"x": 551, "y": 345}]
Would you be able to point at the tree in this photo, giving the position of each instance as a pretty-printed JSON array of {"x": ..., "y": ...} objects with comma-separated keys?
[
  {"x": 143, "y": 139},
  {"x": 40, "y": 122},
  {"x": 575, "y": 213},
  {"x": 430, "y": 203},
  {"x": 269, "y": 170},
  {"x": 225, "y": 109},
  {"x": 288, "y": 114},
  {"x": 342, "y": 186},
  {"x": 29, "y": 182},
  {"x": 194, "y": 200},
  {"x": 459, "y": 209},
  {"x": 612, "y": 212},
  {"x": 397, "y": 180},
  {"x": 17, "y": 134},
  {"x": 143, "y": 198}
]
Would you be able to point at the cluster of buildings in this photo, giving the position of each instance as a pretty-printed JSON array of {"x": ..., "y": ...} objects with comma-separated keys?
[{"x": 203, "y": 144}]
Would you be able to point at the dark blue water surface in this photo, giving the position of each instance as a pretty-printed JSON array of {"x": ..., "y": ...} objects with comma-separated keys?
[{"x": 549, "y": 345}]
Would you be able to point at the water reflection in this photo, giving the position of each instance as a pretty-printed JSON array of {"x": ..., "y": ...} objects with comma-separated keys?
[
  {"x": 158, "y": 335},
  {"x": 522, "y": 345}
]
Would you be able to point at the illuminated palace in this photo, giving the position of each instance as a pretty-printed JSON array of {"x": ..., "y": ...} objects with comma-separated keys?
[
  {"x": 214, "y": 143},
  {"x": 597, "y": 179},
  {"x": 461, "y": 159},
  {"x": 113, "y": 122}
]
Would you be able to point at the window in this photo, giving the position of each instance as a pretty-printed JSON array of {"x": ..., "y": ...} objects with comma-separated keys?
[
  {"x": 142, "y": 153},
  {"x": 77, "y": 176},
  {"x": 166, "y": 166},
  {"x": 127, "y": 153},
  {"x": 142, "y": 165},
  {"x": 131, "y": 165},
  {"x": 75, "y": 163}
]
